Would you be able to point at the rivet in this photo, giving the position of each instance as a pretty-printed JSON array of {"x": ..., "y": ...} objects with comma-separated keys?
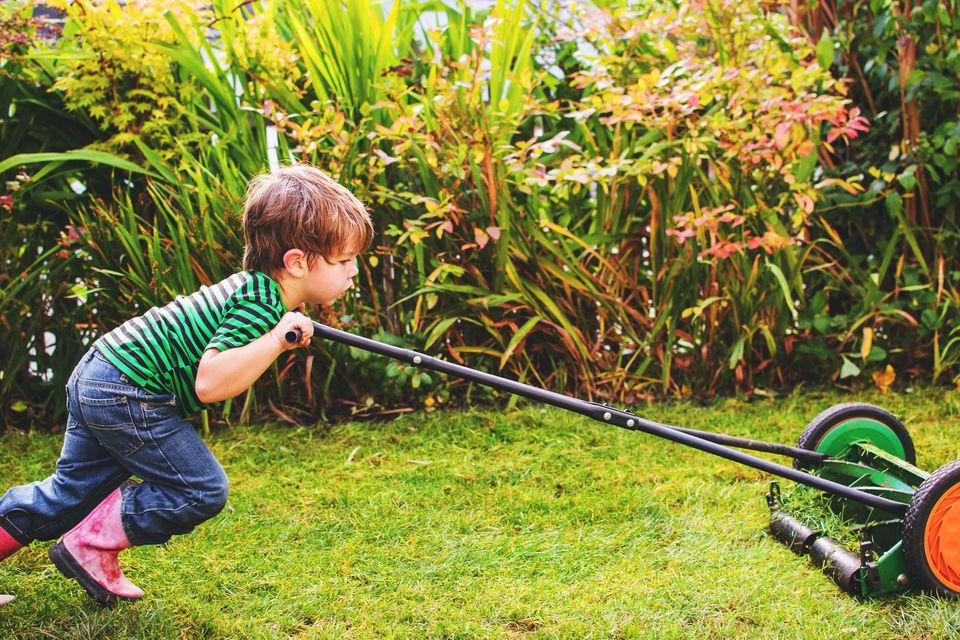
[
  {"x": 607, "y": 415},
  {"x": 630, "y": 422},
  {"x": 902, "y": 579},
  {"x": 417, "y": 359}
]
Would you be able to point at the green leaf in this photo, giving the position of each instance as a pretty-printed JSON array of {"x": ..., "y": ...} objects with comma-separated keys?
[
  {"x": 894, "y": 206},
  {"x": 784, "y": 287},
  {"x": 698, "y": 310},
  {"x": 819, "y": 302},
  {"x": 877, "y": 354},
  {"x": 825, "y": 49},
  {"x": 438, "y": 330},
  {"x": 76, "y": 155},
  {"x": 849, "y": 369},
  {"x": 880, "y": 25},
  {"x": 821, "y": 324},
  {"x": 517, "y": 338},
  {"x": 736, "y": 354},
  {"x": 770, "y": 340},
  {"x": 154, "y": 159}
]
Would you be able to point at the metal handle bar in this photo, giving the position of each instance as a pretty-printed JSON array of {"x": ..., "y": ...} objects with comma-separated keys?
[{"x": 602, "y": 413}]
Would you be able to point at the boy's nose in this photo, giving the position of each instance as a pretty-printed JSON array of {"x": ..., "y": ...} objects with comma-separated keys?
[{"x": 356, "y": 269}]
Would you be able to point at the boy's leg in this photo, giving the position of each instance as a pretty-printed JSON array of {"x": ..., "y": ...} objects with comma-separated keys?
[
  {"x": 143, "y": 435},
  {"x": 88, "y": 553},
  {"x": 183, "y": 484},
  {"x": 8, "y": 544},
  {"x": 86, "y": 473}
]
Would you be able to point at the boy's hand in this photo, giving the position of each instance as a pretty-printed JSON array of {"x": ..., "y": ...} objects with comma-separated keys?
[{"x": 290, "y": 321}]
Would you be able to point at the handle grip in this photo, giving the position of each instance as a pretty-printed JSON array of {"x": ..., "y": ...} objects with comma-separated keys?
[{"x": 293, "y": 335}]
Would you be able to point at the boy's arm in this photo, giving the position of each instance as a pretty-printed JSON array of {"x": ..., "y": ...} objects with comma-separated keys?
[{"x": 228, "y": 373}]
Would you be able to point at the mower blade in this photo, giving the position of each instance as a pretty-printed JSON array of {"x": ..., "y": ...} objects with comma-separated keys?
[{"x": 836, "y": 561}]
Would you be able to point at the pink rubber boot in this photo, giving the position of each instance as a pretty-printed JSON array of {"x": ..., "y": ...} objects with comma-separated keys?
[
  {"x": 8, "y": 545},
  {"x": 88, "y": 554}
]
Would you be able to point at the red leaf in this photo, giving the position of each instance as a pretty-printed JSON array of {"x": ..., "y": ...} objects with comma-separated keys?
[
  {"x": 481, "y": 237},
  {"x": 782, "y": 135},
  {"x": 282, "y": 415}
]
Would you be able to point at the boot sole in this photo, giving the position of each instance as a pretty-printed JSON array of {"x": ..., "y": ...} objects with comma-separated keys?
[{"x": 69, "y": 567}]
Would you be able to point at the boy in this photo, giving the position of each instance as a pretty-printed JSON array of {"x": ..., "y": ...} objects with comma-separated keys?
[{"x": 128, "y": 396}]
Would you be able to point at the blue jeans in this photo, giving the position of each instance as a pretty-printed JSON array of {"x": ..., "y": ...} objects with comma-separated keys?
[{"x": 116, "y": 430}]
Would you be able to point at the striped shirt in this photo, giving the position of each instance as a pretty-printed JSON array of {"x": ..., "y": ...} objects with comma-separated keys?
[{"x": 161, "y": 350}]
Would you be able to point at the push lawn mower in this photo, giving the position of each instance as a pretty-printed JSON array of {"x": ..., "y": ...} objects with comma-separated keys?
[{"x": 859, "y": 455}]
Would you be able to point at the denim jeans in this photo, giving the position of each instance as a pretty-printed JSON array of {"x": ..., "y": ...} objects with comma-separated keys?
[{"x": 116, "y": 430}]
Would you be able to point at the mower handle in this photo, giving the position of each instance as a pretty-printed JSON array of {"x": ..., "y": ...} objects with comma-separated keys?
[{"x": 603, "y": 413}]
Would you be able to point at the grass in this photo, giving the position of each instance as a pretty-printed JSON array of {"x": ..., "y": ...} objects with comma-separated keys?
[{"x": 529, "y": 524}]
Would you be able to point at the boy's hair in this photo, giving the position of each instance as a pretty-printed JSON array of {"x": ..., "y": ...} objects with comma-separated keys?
[{"x": 300, "y": 207}]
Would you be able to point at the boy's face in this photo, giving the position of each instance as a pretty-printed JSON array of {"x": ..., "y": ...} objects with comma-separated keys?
[{"x": 329, "y": 277}]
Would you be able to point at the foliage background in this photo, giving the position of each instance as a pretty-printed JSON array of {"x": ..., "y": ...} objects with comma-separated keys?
[{"x": 616, "y": 199}]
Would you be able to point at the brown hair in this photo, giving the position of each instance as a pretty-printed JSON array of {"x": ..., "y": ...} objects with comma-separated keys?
[{"x": 300, "y": 207}]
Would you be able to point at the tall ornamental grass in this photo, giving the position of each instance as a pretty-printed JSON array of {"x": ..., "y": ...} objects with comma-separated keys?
[{"x": 614, "y": 199}]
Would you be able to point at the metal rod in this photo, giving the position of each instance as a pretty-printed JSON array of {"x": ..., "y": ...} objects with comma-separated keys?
[
  {"x": 603, "y": 413},
  {"x": 807, "y": 456}
]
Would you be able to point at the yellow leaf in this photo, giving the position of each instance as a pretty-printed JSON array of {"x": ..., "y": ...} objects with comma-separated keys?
[
  {"x": 885, "y": 378},
  {"x": 867, "y": 343}
]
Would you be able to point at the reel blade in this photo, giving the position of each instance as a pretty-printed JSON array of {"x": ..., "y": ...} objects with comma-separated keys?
[{"x": 835, "y": 560}]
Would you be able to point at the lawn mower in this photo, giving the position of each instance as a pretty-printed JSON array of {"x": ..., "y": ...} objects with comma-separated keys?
[{"x": 859, "y": 456}]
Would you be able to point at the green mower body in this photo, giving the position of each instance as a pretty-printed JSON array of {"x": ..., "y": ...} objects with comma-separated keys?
[
  {"x": 880, "y": 565},
  {"x": 868, "y": 449}
]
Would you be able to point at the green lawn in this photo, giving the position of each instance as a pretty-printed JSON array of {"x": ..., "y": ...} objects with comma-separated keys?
[{"x": 529, "y": 524}]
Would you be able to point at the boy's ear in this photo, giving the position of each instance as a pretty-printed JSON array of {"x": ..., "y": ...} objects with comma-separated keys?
[{"x": 295, "y": 263}]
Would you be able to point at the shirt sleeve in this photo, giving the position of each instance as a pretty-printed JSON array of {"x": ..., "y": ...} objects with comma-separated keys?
[{"x": 246, "y": 320}]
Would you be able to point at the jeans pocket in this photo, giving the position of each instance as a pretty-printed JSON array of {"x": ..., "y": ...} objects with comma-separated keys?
[
  {"x": 157, "y": 408},
  {"x": 159, "y": 399},
  {"x": 111, "y": 420}
]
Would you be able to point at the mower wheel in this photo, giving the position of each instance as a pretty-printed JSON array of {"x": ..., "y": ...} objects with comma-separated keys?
[
  {"x": 841, "y": 425},
  {"x": 931, "y": 532}
]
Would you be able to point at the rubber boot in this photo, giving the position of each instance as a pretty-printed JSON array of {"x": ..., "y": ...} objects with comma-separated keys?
[
  {"x": 8, "y": 545},
  {"x": 88, "y": 554}
]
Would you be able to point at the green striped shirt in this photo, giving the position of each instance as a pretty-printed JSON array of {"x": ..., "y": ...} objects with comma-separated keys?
[{"x": 161, "y": 350}]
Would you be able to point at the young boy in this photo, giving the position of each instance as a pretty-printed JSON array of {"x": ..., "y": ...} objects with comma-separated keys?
[{"x": 128, "y": 396}]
